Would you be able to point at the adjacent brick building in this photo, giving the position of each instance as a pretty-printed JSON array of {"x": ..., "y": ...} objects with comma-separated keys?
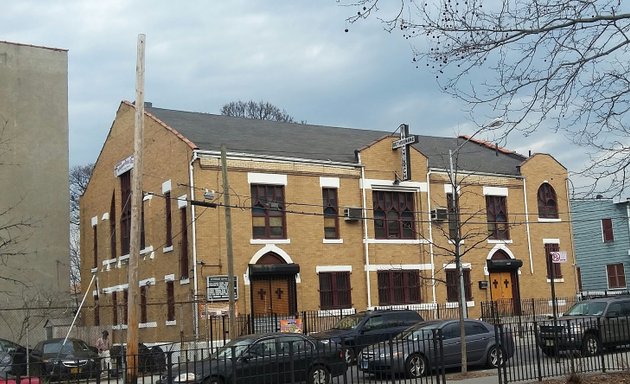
[{"x": 323, "y": 218}]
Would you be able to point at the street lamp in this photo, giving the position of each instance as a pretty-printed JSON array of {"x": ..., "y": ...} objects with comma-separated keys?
[{"x": 463, "y": 310}]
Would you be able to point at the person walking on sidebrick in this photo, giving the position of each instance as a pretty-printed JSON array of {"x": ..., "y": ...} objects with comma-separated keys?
[{"x": 103, "y": 344}]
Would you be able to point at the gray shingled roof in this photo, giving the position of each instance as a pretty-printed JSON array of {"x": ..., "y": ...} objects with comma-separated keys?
[{"x": 317, "y": 142}]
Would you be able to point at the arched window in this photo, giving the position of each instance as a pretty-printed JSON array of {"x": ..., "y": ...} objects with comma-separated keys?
[{"x": 547, "y": 202}]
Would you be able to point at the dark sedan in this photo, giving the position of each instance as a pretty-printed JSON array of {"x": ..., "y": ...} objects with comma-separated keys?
[
  {"x": 266, "y": 358},
  {"x": 72, "y": 358},
  {"x": 13, "y": 359},
  {"x": 419, "y": 349}
]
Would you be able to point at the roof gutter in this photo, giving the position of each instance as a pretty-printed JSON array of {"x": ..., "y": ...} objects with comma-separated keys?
[{"x": 269, "y": 158}]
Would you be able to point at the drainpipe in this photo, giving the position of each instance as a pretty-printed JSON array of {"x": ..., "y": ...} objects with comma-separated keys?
[
  {"x": 366, "y": 249},
  {"x": 433, "y": 292},
  {"x": 570, "y": 220},
  {"x": 529, "y": 236},
  {"x": 194, "y": 243}
]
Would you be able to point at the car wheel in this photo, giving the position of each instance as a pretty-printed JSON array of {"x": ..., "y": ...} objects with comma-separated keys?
[
  {"x": 349, "y": 355},
  {"x": 495, "y": 357},
  {"x": 213, "y": 380},
  {"x": 319, "y": 375},
  {"x": 547, "y": 351},
  {"x": 416, "y": 366},
  {"x": 591, "y": 345}
]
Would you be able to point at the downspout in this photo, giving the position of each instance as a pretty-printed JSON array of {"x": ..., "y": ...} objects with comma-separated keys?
[
  {"x": 366, "y": 250},
  {"x": 194, "y": 244},
  {"x": 529, "y": 236},
  {"x": 433, "y": 292}
]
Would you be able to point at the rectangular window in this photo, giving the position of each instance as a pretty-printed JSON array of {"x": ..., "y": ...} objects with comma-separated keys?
[
  {"x": 97, "y": 312},
  {"x": 496, "y": 212},
  {"x": 112, "y": 227},
  {"x": 125, "y": 308},
  {"x": 169, "y": 225},
  {"x": 393, "y": 215},
  {"x": 607, "y": 230},
  {"x": 125, "y": 216},
  {"x": 452, "y": 216},
  {"x": 183, "y": 251},
  {"x": 268, "y": 216},
  {"x": 616, "y": 276},
  {"x": 114, "y": 308},
  {"x": 331, "y": 213},
  {"x": 452, "y": 293},
  {"x": 170, "y": 301},
  {"x": 398, "y": 287},
  {"x": 143, "y": 304},
  {"x": 95, "y": 245},
  {"x": 553, "y": 268},
  {"x": 334, "y": 290},
  {"x": 143, "y": 242}
]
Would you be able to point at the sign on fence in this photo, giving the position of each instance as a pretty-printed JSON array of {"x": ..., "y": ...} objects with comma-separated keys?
[{"x": 291, "y": 325}]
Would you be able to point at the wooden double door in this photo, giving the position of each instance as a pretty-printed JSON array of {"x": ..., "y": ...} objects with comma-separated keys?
[{"x": 274, "y": 294}]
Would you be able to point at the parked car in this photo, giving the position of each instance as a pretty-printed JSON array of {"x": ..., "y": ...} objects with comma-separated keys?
[
  {"x": 417, "y": 350},
  {"x": 265, "y": 358},
  {"x": 74, "y": 358},
  {"x": 13, "y": 359},
  {"x": 588, "y": 326},
  {"x": 357, "y": 331}
]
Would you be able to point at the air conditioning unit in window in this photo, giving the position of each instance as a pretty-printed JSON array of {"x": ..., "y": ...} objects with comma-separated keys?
[
  {"x": 352, "y": 214},
  {"x": 439, "y": 214}
]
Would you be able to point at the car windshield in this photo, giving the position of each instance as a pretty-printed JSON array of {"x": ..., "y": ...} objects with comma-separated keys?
[
  {"x": 587, "y": 308},
  {"x": 236, "y": 347},
  {"x": 349, "y": 322},
  {"x": 57, "y": 347},
  {"x": 421, "y": 333}
]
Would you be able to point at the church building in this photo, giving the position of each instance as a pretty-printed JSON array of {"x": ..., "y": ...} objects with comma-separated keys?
[{"x": 323, "y": 219}]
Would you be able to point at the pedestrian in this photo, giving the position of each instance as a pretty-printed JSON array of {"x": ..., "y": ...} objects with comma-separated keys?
[{"x": 103, "y": 344}]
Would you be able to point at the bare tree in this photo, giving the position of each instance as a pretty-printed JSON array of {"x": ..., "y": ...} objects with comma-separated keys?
[
  {"x": 542, "y": 63},
  {"x": 79, "y": 178},
  {"x": 261, "y": 110}
]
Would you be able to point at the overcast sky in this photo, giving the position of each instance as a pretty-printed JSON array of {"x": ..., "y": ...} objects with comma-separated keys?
[{"x": 203, "y": 54}]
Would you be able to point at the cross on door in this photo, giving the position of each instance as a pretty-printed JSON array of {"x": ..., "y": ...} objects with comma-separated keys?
[
  {"x": 506, "y": 282},
  {"x": 495, "y": 283},
  {"x": 279, "y": 292},
  {"x": 262, "y": 293}
]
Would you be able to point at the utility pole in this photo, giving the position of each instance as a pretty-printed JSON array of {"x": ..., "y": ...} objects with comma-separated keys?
[
  {"x": 228, "y": 241},
  {"x": 136, "y": 204}
]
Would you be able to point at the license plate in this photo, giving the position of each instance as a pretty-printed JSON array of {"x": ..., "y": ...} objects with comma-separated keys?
[
  {"x": 74, "y": 370},
  {"x": 364, "y": 364}
]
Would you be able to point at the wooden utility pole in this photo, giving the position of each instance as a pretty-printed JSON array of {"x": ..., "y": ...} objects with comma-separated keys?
[
  {"x": 228, "y": 241},
  {"x": 136, "y": 204}
]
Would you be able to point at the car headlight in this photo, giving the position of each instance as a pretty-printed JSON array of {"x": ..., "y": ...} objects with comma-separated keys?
[{"x": 185, "y": 377}]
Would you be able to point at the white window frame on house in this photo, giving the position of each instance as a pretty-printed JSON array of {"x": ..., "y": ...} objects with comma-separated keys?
[
  {"x": 604, "y": 230},
  {"x": 623, "y": 274}
]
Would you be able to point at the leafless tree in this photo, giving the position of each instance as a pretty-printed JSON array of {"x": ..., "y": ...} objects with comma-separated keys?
[
  {"x": 261, "y": 110},
  {"x": 79, "y": 178},
  {"x": 563, "y": 65}
]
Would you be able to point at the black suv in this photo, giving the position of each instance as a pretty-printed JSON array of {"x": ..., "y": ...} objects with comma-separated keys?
[
  {"x": 365, "y": 328},
  {"x": 588, "y": 326}
]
